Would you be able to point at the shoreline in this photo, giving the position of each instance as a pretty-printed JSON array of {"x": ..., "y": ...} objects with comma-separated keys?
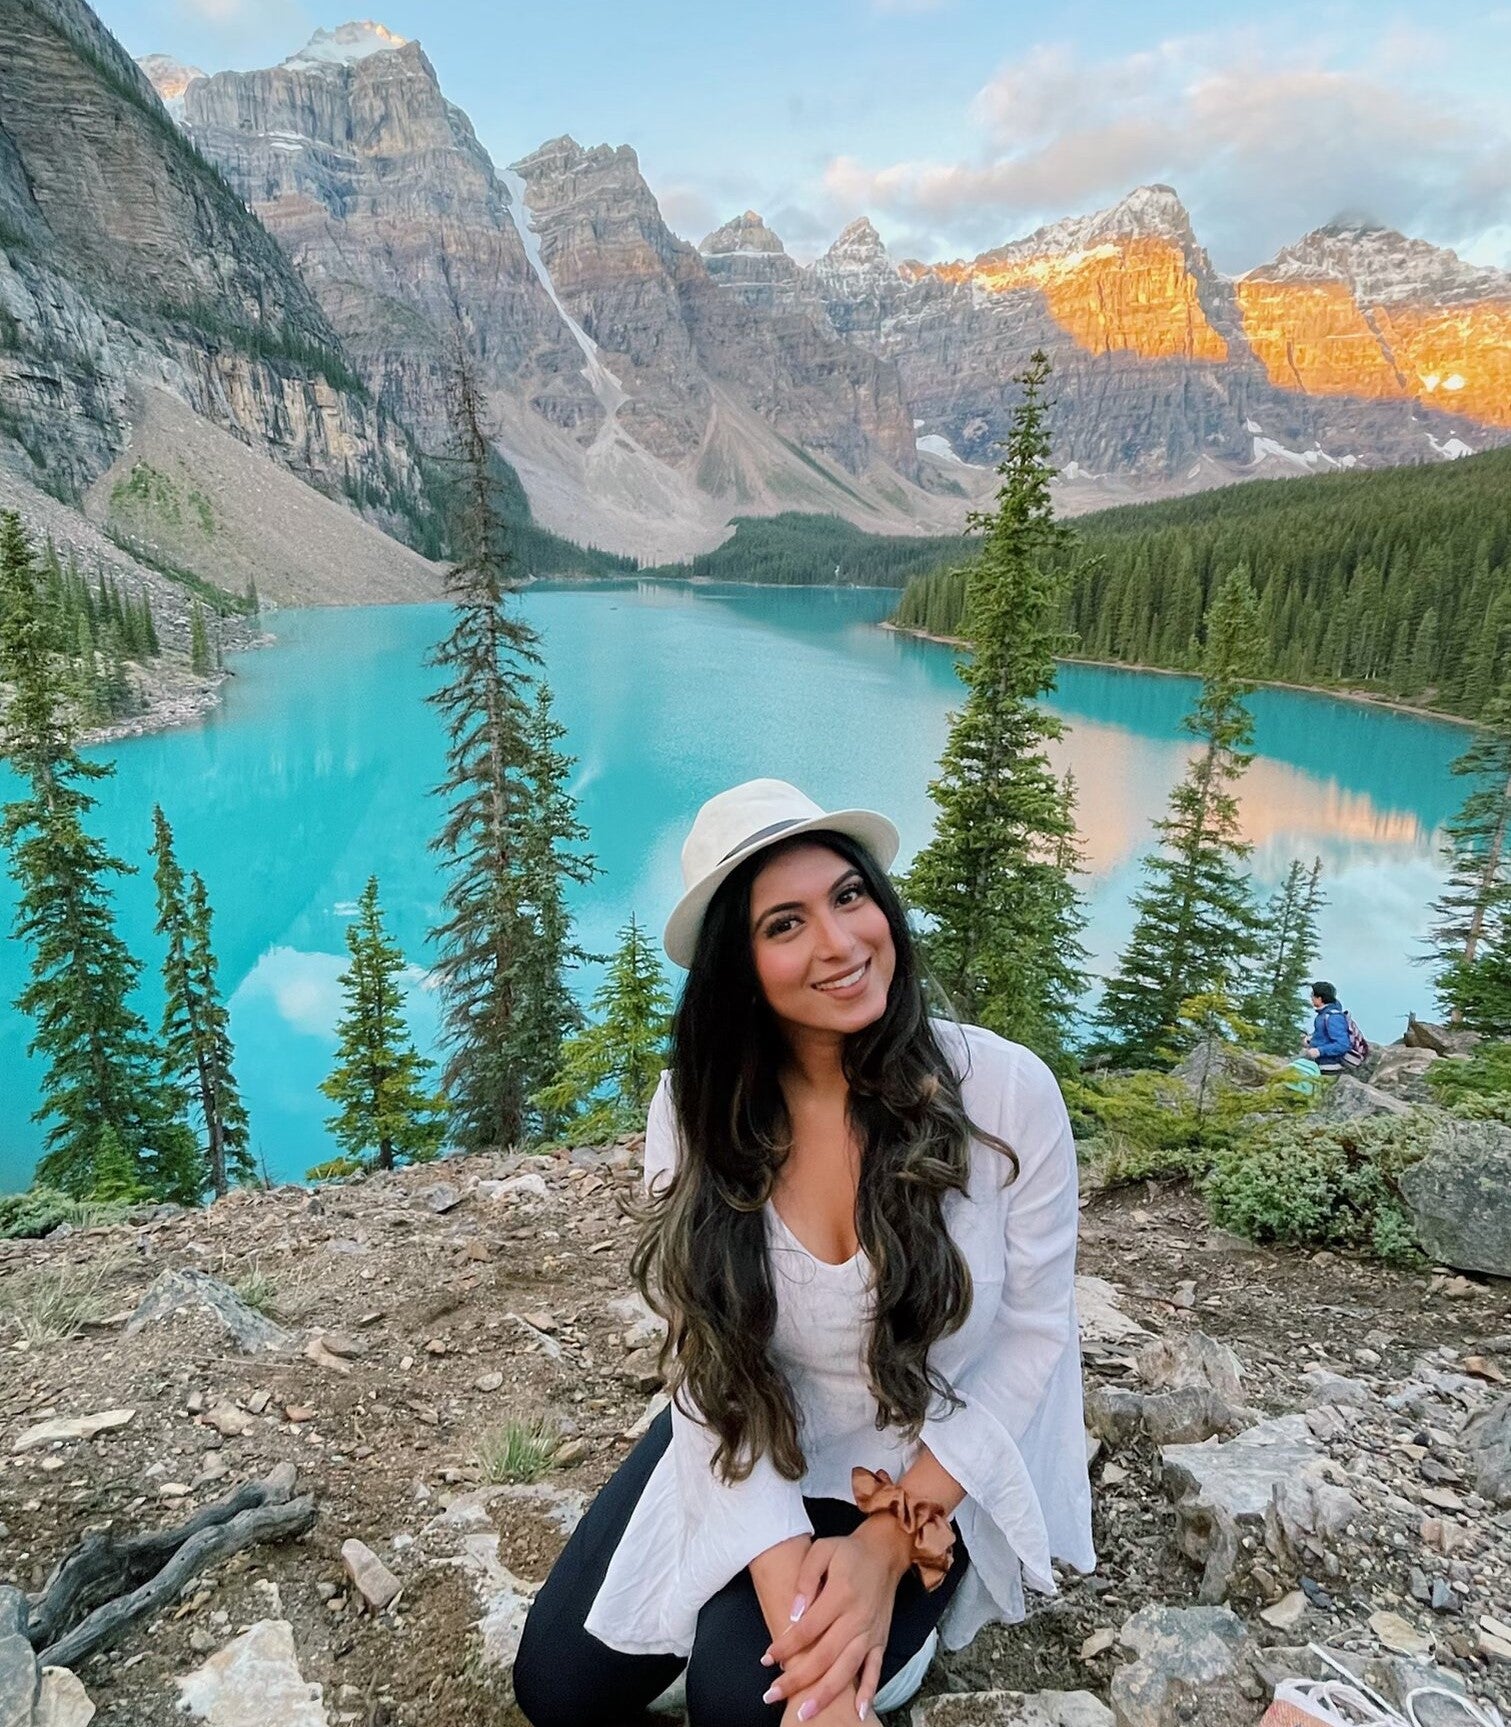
[
  {"x": 182, "y": 700},
  {"x": 1361, "y": 697}
]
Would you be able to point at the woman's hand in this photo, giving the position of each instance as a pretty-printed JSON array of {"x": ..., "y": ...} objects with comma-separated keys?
[{"x": 841, "y": 1616}]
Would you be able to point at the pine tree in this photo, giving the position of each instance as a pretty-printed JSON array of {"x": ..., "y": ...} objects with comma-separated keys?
[
  {"x": 1006, "y": 919},
  {"x": 489, "y": 659},
  {"x": 1473, "y": 933},
  {"x": 385, "y": 1115},
  {"x": 610, "y": 1069},
  {"x": 1288, "y": 937},
  {"x": 201, "y": 661},
  {"x": 103, "y": 1071},
  {"x": 196, "y": 1035},
  {"x": 1196, "y": 924},
  {"x": 550, "y": 855}
]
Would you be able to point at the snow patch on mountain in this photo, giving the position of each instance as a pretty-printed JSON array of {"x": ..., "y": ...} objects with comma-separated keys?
[
  {"x": 1450, "y": 448},
  {"x": 935, "y": 445},
  {"x": 329, "y": 50},
  {"x": 1313, "y": 461},
  {"x": 604, "y": 385}
]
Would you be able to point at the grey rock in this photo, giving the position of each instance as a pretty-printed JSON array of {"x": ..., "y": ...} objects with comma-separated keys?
[
  {"x": 1325, "y": 1389},
  {"x": 254, "y": 1682},
  {"x": 1013, "y": 1709},
  {"x": 1351, "y": 1099},
  {"x": 1457, "y": 1194},
  {"x": 13, "y": 1612},
  {"x": 1102, "y": 1318},
  {"x": 1184, "y": 1417},
  {"x": 1487, "y": 1438},
  {"x": 1400, "y": 1070},
  {"x": 19, "y": 1681},
  {"x": 1191, "y": 1667},
  {"x": 441, "y": 1197},
  {"x": 1191, "y": 1359},
  {"x": 180, "y": 1291},
  {"x": 1224, "y": 1493}
]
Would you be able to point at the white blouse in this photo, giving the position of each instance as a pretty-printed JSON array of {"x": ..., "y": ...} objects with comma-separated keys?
[{"x": 1017, "y": 1446}]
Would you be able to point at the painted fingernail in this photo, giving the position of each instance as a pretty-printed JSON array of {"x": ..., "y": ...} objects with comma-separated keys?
[
  {"x": 799, "y": 1608},
  {"x": 774, "y": 1695},
  {"x": 808, "y": 1711},
  {"x": 863, "y": 1711},
  {"x": 767, "y": 1660}
]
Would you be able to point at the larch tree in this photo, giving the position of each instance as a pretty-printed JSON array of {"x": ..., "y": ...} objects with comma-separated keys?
[
  {"x": 196, "y": 1034},
  {"x": 1472, "y": 935},
  {"x": 509, "y": 836},
  {"x": 1196, "y": 926},
  {"x": 609, "y": 1070},
  {"x": 1276, "y": 1002},
  {"x": 995, "y": 881},
  {"x": 385, "y": 1113},
  {"x": 102, "y": 1087}
]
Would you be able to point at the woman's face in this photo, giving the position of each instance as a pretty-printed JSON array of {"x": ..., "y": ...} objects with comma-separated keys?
[{"x": 821, "y": 944}]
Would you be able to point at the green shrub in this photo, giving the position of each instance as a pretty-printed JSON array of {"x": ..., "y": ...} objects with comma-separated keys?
[
  {"x": 40, "y": 1210},
  {"x": 1478, "y": 1089},
  {"x": 1318, "y": 1183}
]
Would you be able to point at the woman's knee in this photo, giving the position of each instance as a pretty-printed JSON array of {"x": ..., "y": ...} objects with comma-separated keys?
[{"x": 725, "y": 1678}]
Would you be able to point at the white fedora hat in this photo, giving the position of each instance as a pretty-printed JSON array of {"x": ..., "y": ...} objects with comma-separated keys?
[{"x": 742, "y": 821}]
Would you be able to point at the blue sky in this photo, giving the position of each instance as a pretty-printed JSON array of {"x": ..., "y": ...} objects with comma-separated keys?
[{"x": 958, "y": 124}]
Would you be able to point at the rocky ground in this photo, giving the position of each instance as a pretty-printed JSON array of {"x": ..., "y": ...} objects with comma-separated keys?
[{"x": 398, "y": 1325}]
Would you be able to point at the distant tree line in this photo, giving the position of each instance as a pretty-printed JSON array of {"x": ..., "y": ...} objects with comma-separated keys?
[
  {"x": 794, "y": 550},
  {"x": 1396, "y": 583}
]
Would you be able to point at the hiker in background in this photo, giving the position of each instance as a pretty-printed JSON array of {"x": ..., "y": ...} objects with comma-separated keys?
[{"x": 1336, "y": 1042}]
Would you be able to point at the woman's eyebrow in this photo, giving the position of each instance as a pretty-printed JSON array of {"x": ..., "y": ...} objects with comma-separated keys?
[{"x": 797, "y": 904}]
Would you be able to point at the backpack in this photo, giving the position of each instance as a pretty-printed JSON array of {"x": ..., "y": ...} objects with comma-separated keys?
[{"x": 1358, "y": 1044}]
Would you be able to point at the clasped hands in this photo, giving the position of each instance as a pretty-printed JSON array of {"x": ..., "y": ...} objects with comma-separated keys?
[{"x": 841, "y": 1614}]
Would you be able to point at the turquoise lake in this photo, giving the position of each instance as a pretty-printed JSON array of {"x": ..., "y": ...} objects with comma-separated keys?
[{"x": 314, "y": 773}]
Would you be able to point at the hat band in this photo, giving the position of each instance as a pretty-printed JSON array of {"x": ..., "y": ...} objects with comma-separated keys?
[{"x": 762, "y": 834}]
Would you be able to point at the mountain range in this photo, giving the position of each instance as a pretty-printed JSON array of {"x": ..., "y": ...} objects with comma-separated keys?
[{"x": 644, "y": 389}]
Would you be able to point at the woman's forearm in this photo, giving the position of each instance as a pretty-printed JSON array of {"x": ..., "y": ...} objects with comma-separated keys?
[{"x": 927, "y": 1478}]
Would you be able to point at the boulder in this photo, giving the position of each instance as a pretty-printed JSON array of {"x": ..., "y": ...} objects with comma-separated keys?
[
  {"x": 1400, "y": 1071},
  {"x": 254, "y": 1682},
  {"x": 1013, "y": 1709},
  {"x": 1183, "y": 1417},
  {"x": 1102, "y": 1319},
  {"x": 62, "y": 1700},
  {"x": 1349, "y": 1099},
  {"x": 19, "y": 1680},
  {"x": 1213, "y": 1063},
  {"x": 1444, "y": 1040},
  {"x": 1193, "y": 1359},
  {"x": 1224, "y": 1493},
  {"x": 1192, "y": 1667},
  {"x": 1487, "y": 1438},
  {"x": 1457, "y": 1191},
  {"x": 180, "y": 1291},
  {"x": 1325, "y": 1390}
]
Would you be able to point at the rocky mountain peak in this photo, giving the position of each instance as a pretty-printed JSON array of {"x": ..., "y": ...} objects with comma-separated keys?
[
  {"x": 747, "y": 233},
  {"x": 858, "y": 244},
  {"x": 1381, "y": 265},
  {"x": 329, "y": 50},
  {"x": 170, "y": 78}
]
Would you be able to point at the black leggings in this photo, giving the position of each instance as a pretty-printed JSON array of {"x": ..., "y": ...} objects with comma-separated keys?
[{"x": 564, "y": 1677}]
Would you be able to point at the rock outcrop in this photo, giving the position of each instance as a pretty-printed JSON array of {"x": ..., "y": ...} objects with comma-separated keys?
[{"x": 126, "y": 261}]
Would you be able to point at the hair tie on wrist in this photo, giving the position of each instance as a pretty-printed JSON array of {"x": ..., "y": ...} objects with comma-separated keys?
[{"x": 875, "y": 1492}]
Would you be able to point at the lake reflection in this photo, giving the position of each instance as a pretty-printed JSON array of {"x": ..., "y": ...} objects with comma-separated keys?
[{"x": 315, "y": 771}]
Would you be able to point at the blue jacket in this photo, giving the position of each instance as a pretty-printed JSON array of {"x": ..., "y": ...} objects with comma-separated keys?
[{"x": 1330, "y": 1036}]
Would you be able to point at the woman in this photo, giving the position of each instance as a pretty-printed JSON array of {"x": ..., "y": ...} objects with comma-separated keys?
[{"x": 862, "y": 1233}]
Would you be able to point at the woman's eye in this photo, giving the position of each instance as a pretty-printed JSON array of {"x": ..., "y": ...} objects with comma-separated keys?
[
  {"x": 780, "y": 926},
  {"x": 848, "y": 895}
]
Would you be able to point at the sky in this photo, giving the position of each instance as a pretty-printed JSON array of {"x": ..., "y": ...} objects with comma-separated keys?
[{"x": 958, "y": 125}]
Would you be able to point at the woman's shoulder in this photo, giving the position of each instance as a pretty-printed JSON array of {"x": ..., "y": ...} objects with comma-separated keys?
[{"x": 1004, "y": 1086}]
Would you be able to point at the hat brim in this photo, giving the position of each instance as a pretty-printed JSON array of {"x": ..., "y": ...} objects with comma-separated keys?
[{"x": 874, "y": 831}]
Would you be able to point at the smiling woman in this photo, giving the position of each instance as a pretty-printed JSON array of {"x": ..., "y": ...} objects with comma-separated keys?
[{"x": 861, "y": 1230}]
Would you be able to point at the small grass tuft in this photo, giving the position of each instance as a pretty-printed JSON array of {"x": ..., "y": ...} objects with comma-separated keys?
[
  {"x": 257, "y": 1290},
  {"x": 56, "y": 1302},
  {"x": 518, "y": 1450}
]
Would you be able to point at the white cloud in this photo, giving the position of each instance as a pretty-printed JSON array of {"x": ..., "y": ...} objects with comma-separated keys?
[{"x": 1261, "y": 145}]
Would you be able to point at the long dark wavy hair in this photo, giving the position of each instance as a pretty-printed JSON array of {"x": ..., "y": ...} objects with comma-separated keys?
[{"x": 701, "y": 1260}]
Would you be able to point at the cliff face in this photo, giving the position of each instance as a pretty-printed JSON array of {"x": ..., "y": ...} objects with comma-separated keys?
[
  {"x": 379, "y": 192},
  {"x": 126, "y": 262},
  {"x": 676, "y": 324},
  {"x": 1169, "y": 374},
  {"x": 1362, "y": 311}
]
